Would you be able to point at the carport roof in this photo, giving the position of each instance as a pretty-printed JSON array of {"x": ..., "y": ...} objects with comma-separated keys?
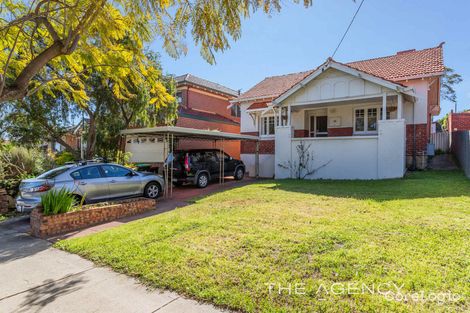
[{"x": 187, "y": 133}]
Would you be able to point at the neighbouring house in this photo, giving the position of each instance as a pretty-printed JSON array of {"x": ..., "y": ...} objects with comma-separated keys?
[
  {"x": 72, "y": 137},
  {"x": 458, "y": 121},
  {"x": 202, "y": 104},
  {"x": 367, "y": 119}
]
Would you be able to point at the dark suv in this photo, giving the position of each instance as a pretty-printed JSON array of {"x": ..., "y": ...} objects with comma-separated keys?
[{"x": 203, "y": 165}]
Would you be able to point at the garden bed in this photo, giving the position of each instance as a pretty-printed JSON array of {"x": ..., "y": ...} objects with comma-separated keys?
[{"x": 48, "y": 225}]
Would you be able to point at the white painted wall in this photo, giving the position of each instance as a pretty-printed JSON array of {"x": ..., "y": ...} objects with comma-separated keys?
[
  {"x": 266, "y": 164},
  {"x": 420, "y": 107},
  {"x": 391, "y": 149},
  {"x": 334, "y": 84},
  {"x": 283, "y": 151},
  {"x": 341, "y": 157},
  {"x": 246, "y": 121},
  {"x": 356, "y": 157}
]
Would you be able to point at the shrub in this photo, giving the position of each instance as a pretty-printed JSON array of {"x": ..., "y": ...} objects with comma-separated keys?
[
  {"x": 64, "y": 157},
  {"x": 17, "y": 163},
  {"x": 57, "y": 202}
]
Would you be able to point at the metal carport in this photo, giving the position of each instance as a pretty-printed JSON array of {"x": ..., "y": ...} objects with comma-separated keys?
[{"x": 171, "y": 133}]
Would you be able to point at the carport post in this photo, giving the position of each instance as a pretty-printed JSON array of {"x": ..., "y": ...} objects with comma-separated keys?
[
  {"x": 171, "y": 164},
  {"x": 257, "y": 159},
  {"x": 165, "y": 190}
]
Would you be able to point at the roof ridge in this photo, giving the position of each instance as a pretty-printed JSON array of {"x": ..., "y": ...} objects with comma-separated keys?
[
  {"x": 289, "y": 74},
  {"x": 403, "y": 52}
]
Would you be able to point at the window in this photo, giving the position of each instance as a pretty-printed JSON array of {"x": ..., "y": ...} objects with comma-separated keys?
[
  {"x": 359, "y": 123},
  {"x": 179, "y": 97},
  {"x": 210, "y": 156},
  {"x": 87, "y": 173},
  {"x": 372, "y": 119},
  {"x": 267, "y": 125},
  {"x": 115, "y": 171},
  {"x": 54, "y": 172},
  {"x": 235, "y": 110},
  {"x": 366, "y": 120}
]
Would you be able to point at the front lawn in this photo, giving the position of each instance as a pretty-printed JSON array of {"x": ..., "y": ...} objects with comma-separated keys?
[{"x": 350, "y": 246}]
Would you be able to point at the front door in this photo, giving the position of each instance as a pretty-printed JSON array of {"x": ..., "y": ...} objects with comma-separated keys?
[{"x": 318, "y": 126}]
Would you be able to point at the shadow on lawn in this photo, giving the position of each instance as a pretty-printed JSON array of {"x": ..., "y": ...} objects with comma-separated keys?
[{"x": 422, "y": 184}]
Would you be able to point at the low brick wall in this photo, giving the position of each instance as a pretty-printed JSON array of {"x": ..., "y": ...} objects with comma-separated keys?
[
  {"x": 48, "y": 225},
  {"x": 3, "y": 201}
]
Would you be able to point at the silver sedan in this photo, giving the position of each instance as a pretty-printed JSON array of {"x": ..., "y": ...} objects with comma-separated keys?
[{"x": 95, "y": 182}]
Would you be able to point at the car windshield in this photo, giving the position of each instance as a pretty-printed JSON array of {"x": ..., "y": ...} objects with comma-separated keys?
[{"x": 54, "y": 172}]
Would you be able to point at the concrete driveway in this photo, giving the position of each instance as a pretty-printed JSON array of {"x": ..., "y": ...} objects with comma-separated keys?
[{"x": 34, "y": 277}]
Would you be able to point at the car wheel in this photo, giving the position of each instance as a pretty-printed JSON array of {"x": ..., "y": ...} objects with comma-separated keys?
[
  {"x": 202, "y": 180},
  {"x": 239, "y": 173},
  {"x": 152, "y": 190}
]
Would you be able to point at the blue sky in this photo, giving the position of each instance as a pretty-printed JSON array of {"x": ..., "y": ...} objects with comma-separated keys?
[{"x": 297, "y": 39}]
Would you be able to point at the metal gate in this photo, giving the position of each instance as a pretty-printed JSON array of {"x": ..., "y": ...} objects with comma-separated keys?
[{"x": 441, "y": 141}]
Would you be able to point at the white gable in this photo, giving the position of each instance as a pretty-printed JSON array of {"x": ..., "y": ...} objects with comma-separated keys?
[{"x": 334, "y": 84}]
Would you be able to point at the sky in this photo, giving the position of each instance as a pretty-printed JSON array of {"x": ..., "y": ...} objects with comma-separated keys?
[{"x": 299, "y": 39}]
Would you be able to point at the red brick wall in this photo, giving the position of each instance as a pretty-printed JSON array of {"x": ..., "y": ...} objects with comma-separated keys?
[
  {"x": 340, "y": 131},
  {"x": 196, "y": 99},
  {"x": 300, "y": 133},
  {"x": 459, "y": 121},
  {"x": 249, "y": 147},
  {"x": 421, "y": 139},
  {"x": 230, "y": 147},
  {"x": 43, "y": 226}
]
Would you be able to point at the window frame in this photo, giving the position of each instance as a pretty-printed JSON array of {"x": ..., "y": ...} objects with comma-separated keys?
[
  {"x": 262, "y": 124},
  {"x": 106, "y": 176},
  {"x": 84, "y": 168},
  {"x": 366, "y": 119}
]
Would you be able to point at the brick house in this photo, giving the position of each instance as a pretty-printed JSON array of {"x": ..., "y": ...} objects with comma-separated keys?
[
  {"x": 360, "y": 120},
  {"x": 202, "y": 104}
]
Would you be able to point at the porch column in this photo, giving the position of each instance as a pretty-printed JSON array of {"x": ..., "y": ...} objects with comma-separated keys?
[
  {"x": 400, "y": 106},
  {"x": 384, "y": 106},
  {"x": 288, "y": 115}
]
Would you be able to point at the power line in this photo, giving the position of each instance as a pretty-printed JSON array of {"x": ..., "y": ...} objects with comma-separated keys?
[{"x": 346, "y": 32}]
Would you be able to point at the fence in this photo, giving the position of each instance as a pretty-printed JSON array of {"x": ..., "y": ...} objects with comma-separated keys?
[
  {"x": 461, "y": 149},
  {"x": 440, "y": 141}
]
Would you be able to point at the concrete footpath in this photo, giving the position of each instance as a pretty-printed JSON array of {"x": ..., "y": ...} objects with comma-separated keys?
[{"x": 34, "y": 277}]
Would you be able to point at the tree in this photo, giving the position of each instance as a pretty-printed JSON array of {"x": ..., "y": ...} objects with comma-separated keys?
[
  {"x": 449, "y": 80},
  {"x": 31, "y": 120},
  {"x": 55, "y": 45}
]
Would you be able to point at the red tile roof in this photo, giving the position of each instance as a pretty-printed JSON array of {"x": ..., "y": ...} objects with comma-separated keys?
[
  {"x": 404, "y": 65},
  {"x": 273, "y": 86}
]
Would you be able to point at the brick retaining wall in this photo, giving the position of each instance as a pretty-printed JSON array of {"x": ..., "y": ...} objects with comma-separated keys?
[{"x": 47, "y": 225}]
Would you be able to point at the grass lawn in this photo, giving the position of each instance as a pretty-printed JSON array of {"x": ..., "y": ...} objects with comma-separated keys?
[{"x": 408, "y": 238}]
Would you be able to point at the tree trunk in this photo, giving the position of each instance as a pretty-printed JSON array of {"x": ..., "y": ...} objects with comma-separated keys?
[
  {"x": 19, "y": 88},
  {"x": 91, "y": 138}
]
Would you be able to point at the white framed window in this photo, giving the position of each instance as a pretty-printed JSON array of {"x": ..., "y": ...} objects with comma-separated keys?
[
  {"x": 268, "y": 125},
  {"x": 366, "y": 120}
]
